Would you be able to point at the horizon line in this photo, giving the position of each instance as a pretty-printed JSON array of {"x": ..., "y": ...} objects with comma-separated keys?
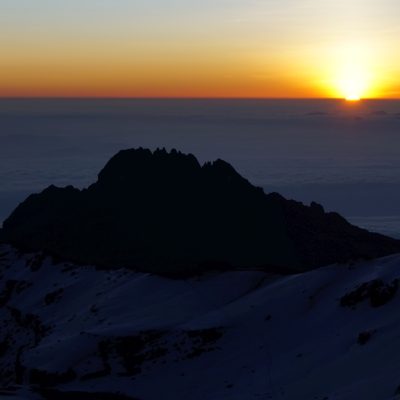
[{"x": 189, "y": 98}]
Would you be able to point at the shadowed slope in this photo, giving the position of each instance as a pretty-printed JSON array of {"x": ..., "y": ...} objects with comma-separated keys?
[{"x": 163, "y": 212}]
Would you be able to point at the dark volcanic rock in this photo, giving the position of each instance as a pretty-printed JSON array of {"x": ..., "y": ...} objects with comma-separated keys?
[
  {"x": 164, "y": 212},
  {"x": 378, "y": 293}
]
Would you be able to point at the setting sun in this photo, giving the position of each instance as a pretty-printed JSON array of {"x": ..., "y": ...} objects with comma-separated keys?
[
  {"x": 353, "y": 86},
  {"x": 355, "y": 71},
  {"x": 353, "y": 98},
  {"x": 354, "y": 82}
]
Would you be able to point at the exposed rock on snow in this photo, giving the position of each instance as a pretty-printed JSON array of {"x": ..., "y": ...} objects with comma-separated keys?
[{"x": 231, "y": 335}]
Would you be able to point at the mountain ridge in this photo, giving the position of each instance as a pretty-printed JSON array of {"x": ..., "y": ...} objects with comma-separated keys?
[{"x": 165, "y": 213}]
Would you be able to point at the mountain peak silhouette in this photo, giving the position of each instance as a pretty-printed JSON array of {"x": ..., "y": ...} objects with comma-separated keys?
[{"x": 163, "y": 212}]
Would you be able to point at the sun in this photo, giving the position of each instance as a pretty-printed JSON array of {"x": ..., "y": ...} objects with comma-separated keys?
[
  {"x": 353, "y": 72},
  {"x": 353, "y": 98},
  {"x": 353, "y": 85}
]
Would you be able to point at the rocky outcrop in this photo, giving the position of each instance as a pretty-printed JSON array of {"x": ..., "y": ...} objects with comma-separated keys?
[{"x": 163, "y": 212}]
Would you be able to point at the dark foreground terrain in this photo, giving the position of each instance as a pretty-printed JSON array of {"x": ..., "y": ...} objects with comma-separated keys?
[
  {"x": 74, "y": 332},
  {"x": 88, "y": 309}
]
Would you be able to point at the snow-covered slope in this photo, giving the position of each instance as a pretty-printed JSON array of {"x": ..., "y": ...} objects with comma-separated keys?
[{"x": 234, "y": 335}]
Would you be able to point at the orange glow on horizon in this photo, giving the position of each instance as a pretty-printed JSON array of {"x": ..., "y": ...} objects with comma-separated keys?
[
  {"x": 187, "y": 49},
  {"x": 198, "y": 76}
]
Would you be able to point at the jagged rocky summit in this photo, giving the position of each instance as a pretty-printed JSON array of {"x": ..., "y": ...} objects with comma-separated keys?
[{"x": 163, "y": 212}]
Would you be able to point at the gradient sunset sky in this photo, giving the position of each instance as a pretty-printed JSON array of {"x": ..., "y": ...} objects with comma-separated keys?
[{"x": 193, "y": 48}]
